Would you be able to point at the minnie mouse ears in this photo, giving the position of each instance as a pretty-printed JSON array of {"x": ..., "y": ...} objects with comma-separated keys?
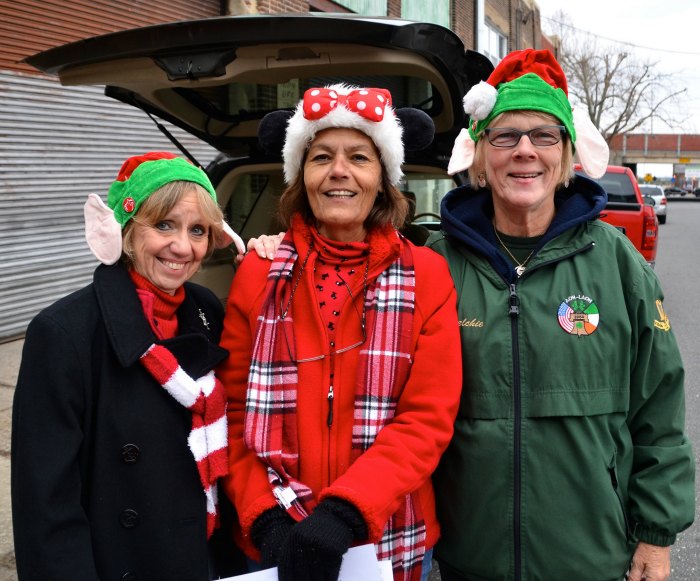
[
  {"x": 367, "y": 110},
  {"x": 418, "y": 129},
  {"x": 272, "y": 130}
]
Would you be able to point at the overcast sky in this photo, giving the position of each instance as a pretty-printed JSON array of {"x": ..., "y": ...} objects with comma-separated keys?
[{"x": 662, "y": 31}]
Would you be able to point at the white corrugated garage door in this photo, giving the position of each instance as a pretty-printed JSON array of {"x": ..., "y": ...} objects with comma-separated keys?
[{"x": 57, "y": 145}]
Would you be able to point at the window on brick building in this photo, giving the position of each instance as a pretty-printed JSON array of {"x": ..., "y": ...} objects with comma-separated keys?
[{"x": 496, "y": 45}]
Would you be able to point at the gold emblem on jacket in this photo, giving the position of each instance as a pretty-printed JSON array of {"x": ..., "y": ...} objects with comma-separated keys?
[{"x": 664, "y": 324}]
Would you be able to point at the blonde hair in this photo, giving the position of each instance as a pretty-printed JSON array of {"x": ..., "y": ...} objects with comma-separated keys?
[
  {"x": 157, "y": 206},
  {"x": 566, "y": 170}
]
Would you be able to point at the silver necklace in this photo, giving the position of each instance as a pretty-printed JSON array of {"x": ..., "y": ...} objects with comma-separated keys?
[{"x": 521, "y": 265}]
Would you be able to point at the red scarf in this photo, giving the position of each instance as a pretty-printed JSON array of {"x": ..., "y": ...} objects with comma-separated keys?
[
  {"x": 159, "y": 307},
  {"x": 383, "y": 368},
  {"x": 204, "y": 397}
]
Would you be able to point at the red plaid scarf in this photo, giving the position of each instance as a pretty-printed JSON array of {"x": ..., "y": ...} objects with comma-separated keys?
[
  {"x": 206, "y": 399},
  {"x": 384, "y": 366}
]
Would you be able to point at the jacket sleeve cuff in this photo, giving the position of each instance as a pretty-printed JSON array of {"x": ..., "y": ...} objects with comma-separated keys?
[
  {"x": 246, "y": 522},
  {"x": 653, "y": 536},
  {"x": 375, "y": 529}
]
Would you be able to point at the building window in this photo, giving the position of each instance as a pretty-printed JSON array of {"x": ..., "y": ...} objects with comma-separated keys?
[
  {"x": 496, "y": 45},
  {"x": 365, "y": 7},
  {"x": 437, "y": 12}
]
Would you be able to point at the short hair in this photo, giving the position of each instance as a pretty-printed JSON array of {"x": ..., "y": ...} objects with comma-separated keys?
[
  {"x": 157, "y": 206},
  {"x": 390, "y": 207},
  {"x": 566, "y": 173}
]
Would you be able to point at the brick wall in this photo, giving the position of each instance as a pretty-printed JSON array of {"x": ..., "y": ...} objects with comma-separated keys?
[
  {"x": 668, "y": 143},
  {"x": 393, "y": 8},
  {"x": 30, "y": 26},
  {"x": 464, "y": 21}
]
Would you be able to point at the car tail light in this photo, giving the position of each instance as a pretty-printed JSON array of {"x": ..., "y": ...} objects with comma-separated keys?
[
  {"x": 663, "y": 201},
  {"x": 651, "y": 229}
]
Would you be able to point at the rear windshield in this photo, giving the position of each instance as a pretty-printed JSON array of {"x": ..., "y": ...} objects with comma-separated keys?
[
  {"x": 240, "y": 101},
  {"x": 619, "y": 188},
  {"x": 651, "y": 190}
]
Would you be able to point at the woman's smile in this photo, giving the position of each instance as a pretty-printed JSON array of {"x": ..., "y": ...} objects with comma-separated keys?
[{"x": 342, "y": 177}]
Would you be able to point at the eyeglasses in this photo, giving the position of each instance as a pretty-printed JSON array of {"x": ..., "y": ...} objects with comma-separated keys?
[{"x": 539, "y": 136}]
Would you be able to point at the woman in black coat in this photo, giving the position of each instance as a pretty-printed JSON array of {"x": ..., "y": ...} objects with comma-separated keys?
[{"x": 119, "y": 429}]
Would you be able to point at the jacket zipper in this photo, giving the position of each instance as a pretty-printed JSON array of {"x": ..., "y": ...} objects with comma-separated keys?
[
  {"x": 330, "y": 396},
  {"x": 514, "y": 313}
]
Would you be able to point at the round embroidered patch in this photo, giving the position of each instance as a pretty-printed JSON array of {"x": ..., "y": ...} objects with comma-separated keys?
[
  {"x": 128, "y": 204},
  {"x": 578, "y": 315}
]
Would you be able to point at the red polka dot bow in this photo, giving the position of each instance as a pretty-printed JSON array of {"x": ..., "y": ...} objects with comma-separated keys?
[{"x": 368, "y": 103}]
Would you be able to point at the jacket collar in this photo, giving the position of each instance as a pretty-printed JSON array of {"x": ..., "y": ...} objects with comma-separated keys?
[
  {"x": 384, "y": 244},
  {"x": 131, "y": 335},
  {"x": 467, "y": 216}
]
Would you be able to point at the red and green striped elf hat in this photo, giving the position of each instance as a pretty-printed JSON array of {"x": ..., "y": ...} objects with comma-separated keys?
[{"x": 528, "y": 80}]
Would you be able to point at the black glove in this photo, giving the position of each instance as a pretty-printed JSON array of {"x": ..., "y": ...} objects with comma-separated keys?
[
  {"x": 314, "y": 549},
  {"x": 269, "y": 533}
]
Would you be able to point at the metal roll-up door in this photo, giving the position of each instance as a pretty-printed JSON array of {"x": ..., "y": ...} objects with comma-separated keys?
[{"x": 57, "y": 145}]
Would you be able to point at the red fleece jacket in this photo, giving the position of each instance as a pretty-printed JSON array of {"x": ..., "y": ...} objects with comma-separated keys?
[{"x": 407, "y": 449}]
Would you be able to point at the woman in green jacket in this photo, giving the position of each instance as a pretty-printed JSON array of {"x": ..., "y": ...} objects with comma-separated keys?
[{"x": 569, "y": 459}]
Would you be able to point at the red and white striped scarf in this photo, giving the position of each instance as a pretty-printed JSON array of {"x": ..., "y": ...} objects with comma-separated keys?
[
  {"x": 384, "y": 366},
  {"x": 206, "y": 399}
]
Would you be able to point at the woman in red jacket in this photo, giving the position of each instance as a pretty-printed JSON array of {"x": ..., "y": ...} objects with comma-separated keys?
[{"x": 344, "y": 365}]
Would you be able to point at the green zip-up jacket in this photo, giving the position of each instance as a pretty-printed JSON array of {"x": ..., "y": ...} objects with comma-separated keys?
[{"x": 569, "y": 445}]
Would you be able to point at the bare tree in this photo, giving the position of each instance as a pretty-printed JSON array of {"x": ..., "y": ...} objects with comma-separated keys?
[{"x": 621, "y": 93}]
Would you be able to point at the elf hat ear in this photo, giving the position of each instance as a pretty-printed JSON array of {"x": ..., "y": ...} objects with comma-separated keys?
[
  {"x": 227, "y": 237},
  {"x": 462, "y": 153},
  {"x": 591, "y": 148},
  {"x": 102, "y": 231}
]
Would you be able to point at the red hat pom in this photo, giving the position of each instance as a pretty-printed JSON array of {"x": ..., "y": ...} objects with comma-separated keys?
[{"x": 520, "y": 62}]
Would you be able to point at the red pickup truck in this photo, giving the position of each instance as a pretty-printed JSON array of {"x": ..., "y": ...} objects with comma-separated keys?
[{"x": 627, "y": 211}]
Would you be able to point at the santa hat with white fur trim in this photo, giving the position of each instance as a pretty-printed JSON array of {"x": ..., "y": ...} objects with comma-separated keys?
[
  {"x": 368, "y": 110},
  {"x": 529, "y": 80}
]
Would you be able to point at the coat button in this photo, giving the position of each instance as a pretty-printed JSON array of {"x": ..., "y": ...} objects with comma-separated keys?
[
  {"x": 129, "y": 518},
  {"x": 130, "y": 453},
  {"x": 129, "y": 576}
]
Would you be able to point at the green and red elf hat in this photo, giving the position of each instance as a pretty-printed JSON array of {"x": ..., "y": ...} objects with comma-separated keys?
[
  {"x": 138, "y": 178},
  {"x": 528, "y": 80}
]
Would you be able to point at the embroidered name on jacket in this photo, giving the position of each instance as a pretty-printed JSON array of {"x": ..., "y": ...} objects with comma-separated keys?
[
  {"x": 471, "y": 323},
  {"x": 578, "y": 315}
]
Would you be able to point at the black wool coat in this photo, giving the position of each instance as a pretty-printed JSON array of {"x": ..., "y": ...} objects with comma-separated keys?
[{"x": 104, "y": 485}]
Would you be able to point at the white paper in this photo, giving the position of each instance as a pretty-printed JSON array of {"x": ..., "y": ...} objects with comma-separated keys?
[
  {"x": 264, "y": 575},
  {"x": 386, "y": 571},
  {"x": 359, "y": 564}
]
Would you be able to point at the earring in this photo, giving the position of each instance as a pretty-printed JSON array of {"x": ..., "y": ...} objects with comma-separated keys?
[{"x": 481, "y": 179}]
